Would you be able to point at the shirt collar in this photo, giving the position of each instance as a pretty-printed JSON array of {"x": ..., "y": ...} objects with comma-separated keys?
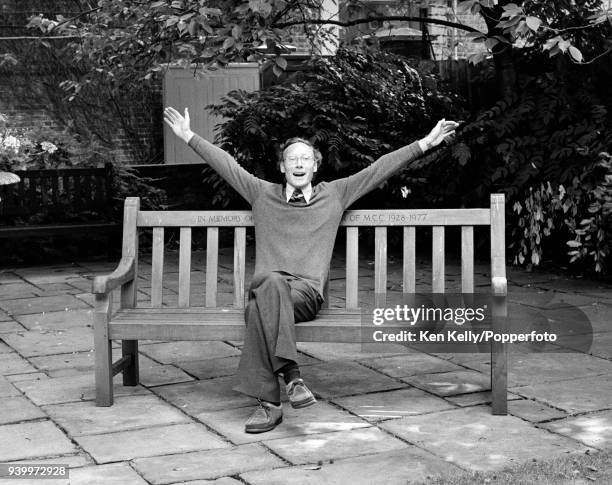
[{"x": 306, "y": 191}]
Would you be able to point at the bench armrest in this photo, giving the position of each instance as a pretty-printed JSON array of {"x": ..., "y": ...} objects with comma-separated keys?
[
  {"x": 122, "y": 274},
  {"x": 499, "y": 284}
]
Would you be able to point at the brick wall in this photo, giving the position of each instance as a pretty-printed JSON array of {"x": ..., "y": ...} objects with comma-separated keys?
[{"x": 30, "y": 95}]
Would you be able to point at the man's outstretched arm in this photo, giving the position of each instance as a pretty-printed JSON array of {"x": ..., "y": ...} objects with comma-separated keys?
[
  {"x": 222, "y": 162},
  {"x": 355, "y": 186}
]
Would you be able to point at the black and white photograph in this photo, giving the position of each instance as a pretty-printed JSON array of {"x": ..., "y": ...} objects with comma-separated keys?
[{"x": 305, "y": 242}]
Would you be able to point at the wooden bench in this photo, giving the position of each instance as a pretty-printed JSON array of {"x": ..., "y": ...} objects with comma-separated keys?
[
  {"x": 210, "y": 322},
  {"x": 66, "y": 200}
]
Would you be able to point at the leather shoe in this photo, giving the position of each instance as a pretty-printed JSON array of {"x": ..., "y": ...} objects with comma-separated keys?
[
  {"x": 299, "y": 395},
  {"x": 265, "y": 418}
]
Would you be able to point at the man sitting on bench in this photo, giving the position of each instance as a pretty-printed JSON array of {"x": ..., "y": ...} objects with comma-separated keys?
[{"x": 295, "y": 229}]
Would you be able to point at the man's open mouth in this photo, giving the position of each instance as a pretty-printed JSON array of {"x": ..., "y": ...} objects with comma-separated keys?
[{"x": 299, "y": 174}]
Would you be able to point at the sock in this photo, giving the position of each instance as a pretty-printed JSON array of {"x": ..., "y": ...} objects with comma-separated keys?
[{"x": 290, "y": 371}]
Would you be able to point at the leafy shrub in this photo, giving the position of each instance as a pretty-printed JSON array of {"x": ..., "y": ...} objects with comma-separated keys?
[
  {"x": 541, "y": 146},
  {"x": 355, "y": 107},
  {"x": 582, "y": 212}
]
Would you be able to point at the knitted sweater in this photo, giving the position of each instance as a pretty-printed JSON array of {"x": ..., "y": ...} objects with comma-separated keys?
[{"x": 300, "y": 239}]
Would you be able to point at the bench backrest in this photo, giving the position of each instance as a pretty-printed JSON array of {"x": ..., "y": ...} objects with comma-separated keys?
[
  {"x": 438, "y": 219},
  {"x": 58, "y": 191}
]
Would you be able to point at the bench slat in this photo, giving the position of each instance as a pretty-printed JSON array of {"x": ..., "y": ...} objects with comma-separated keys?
[
  {"x": 400, "y": 217},
  {"x": 239, "y": 265},
  {"x": 184, "y": 267},
  {"x": 212, "y": 260},
  {"x": 467, "y": 259},
  {"x": 352, "y": 267},
  {"x": 157, "y": 267},
  {"x": 437, "y": 262},
  {"x": 409, "y": 261},
  {"x": 198, "y": 311},
  {"x": 380, "y": 266}
]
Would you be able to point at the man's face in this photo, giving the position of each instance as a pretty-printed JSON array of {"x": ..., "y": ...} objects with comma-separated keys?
[{"x": 298, "y": 165}]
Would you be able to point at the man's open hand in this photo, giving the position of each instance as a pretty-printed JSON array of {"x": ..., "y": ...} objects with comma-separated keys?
[
  {"x": 178, "y": 123},
  {"x": 443, "y": 130}
]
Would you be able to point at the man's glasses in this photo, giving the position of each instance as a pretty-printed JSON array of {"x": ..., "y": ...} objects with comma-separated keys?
[{"x": 306, "y": 158}]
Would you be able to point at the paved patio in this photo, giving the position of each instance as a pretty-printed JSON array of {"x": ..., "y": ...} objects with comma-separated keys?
[{"x": 399, "y": 417}]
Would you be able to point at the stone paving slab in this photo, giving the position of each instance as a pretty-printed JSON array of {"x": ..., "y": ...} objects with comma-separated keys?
[
  {"x": 10, "y": 326},
  {"x": 130, "y": 412},
  {"x": 327, "y": 351},
  {"x": 73, "y": 461},
  {"x": 57, "y": 320},
  {"x": 13, "y": 363},
  {"x": 333, "y": 379},
  {"x": 153, "y": 441},
  {"x": 320, "y": 418},
  {"x": 79, "y": 363},
  {"x": 7, "y": 389},
  {"x": 17, "y": 408},
  {"x": 5, "y": 349},
  {"x": 547, "y": 299},
  {"x": 32, "y": 439},
  {"x": 410, "y": 364},
  {"x": 17, "y": 290},
  {"x": 218, "y": 481},
  {"x": 528, "y": 369},
  {"x": 392, "y": 404},
  {"x": 533, "y": 411},
  {"x": 9, "y": 277},
  {"x": 601, "y": 344},
  {"x": 112, "y": 474},
  {"x": 49, "y": 289},
  {"x": 38, "y": 304},
  {"x": 173, "y": 352},
  {"x": 572, "y": 396},
  {"x": 33, "y": 343},
  {"x": 210, "y": 368},
  {"x": 400, "y": 467},
  {"x": 591, "y": 429},
  {"x": 70, "y": 389},
  {"x": 72, "y": 363},
  {"x": 31, "y": 376},
  {"x": 451, "y": 383},
  {"x": 201, "y": 396},
  {"x": 49, "y": 274},
  {"x": 476, "y": 398},
  {"x": 206, "y": 464},
  {"x": 336, "y": 445},
  {"x": 475, "y": 439}
]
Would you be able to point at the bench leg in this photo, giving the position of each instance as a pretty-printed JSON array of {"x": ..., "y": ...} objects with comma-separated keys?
[
  {"x": 499, "y": 359},
  {"x": 103, "y": 351},
  {"x": 130, "y": 373},
  {"x": 499, "y": 380},
  {"x": 104, "y": 366}
]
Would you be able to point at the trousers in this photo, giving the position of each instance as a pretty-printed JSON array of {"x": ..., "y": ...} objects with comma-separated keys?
[{"x": 277, "y": 301}]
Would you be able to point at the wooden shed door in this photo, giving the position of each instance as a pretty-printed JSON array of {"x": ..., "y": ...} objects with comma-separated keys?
[{"x": 183, "y": 89}]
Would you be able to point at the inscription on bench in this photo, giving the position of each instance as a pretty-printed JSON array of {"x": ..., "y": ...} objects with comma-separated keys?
[
  {"x": 385, "y": 217},
  {"x": 233, "y": 219}
]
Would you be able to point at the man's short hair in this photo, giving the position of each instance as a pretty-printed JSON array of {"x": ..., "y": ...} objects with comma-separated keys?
[{"x": 297, "y": 139}]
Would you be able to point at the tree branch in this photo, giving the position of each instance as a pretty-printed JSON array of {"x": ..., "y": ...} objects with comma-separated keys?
[
  {"x": 41, "y": 37},
  {"x": 365, "y": 20}
]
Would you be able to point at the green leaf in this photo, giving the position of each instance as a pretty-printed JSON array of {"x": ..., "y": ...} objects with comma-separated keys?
[
  {"x": 228, "y": 43},
  {"x": 574, "y": 244}
]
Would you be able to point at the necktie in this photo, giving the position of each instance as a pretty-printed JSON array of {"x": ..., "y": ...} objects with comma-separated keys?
[{"x": 297, "y": 197}]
